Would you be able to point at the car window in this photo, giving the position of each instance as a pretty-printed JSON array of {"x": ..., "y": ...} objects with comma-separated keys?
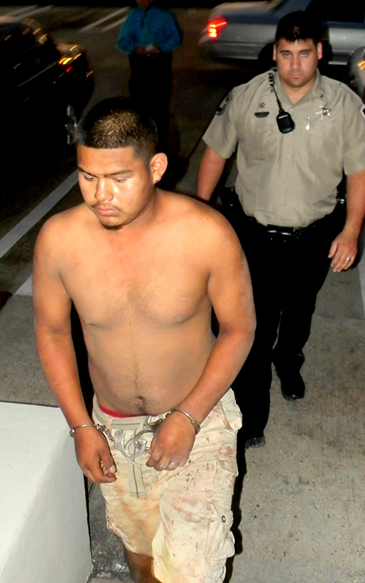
[
  {"x": 276, "y": 4},
  {"x": 8, "y": 85},
  {"x": 30, "y": 56},
  {"x": 331, "y": 11}
]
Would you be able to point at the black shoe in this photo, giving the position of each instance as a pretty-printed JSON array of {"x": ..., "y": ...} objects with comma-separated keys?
[
  {"x": 258, "y": 441},
  {"x": 292, "y": 384}
]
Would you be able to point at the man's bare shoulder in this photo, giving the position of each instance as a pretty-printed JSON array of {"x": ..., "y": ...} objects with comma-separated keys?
[
  {"x": 196, "y": 216},
  {"x": 61, "y": 225},
  {"x": 189, "y": 207}
]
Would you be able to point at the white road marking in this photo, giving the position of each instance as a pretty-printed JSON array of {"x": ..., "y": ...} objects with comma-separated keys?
[
  {"x": 115, "y": 24},
  {"x": 20, "y": 11},
  {"x": 36, "y": 214},
  {"x": 104, "y": 19},
  {"x": 26, "y": 288},
  {"x": 28, "y": 11}
]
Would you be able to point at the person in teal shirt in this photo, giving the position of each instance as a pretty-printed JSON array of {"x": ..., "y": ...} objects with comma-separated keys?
[{"x": 148, "y": 37}]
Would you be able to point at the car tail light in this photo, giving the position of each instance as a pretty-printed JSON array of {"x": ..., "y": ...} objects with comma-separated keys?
[{"x": 215, "y": 25}]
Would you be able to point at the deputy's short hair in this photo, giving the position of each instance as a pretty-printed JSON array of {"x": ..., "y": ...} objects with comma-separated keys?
[
  {"x": 116, "y": 122},
  {"x": 299, "y": 26}
]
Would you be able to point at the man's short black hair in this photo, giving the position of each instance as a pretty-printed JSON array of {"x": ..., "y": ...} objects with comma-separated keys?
[
  {"x": 116, "y": 122},
  {"x": 299, "y": 26}
]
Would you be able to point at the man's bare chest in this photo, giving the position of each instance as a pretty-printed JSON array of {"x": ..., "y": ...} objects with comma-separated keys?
[{"x": 161, "y": 287}]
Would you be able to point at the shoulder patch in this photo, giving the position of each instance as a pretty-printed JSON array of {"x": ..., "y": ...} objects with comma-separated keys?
[
  {"x": 221, "y": 109},
  {"x": 362, "y": 111}
]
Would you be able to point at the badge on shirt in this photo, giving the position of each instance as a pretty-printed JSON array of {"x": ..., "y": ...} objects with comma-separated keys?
[
  {"x": 261, "y": 106},
  {"x": 221, "y": 109},
  {"x": 362, "y": 111},
  {"x": 324, "y": 111}
]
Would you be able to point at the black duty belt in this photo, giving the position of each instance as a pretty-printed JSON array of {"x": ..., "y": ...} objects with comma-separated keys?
[
  {"x": 276, "y": 231},
  {"x": 295, "y": 232}
]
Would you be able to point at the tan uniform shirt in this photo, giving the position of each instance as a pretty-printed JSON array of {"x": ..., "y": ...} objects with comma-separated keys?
[{"x": 290, "y": 179}]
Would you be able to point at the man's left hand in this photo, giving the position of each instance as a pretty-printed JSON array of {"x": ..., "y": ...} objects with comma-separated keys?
[
  {"x": 152, "y": 50},
  {"x": 172, "y": 443},
  {"x": 343, "y": 252}
]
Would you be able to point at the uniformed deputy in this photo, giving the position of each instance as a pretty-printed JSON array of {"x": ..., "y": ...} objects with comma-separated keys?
[{"x": 291, "y": 227}]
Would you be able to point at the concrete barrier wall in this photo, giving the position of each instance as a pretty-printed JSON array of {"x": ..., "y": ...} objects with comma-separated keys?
[{"x": 44, "y": 534}]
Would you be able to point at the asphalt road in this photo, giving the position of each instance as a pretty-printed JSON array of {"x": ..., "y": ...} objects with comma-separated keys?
[{"x": 199, "y": 85}]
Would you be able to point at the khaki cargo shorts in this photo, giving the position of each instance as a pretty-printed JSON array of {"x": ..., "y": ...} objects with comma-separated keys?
[{"x": 182, "y": 519}]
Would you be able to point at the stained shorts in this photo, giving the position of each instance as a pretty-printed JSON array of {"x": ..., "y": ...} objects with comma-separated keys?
[{"x": 183, "y": 518}]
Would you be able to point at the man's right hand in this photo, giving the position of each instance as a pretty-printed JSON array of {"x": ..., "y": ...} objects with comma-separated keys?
[{"x": 93, "y": 455}]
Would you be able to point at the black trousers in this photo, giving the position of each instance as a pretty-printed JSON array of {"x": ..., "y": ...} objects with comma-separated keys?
[
  {"x": 287, "y": 273},
  {"x": 150, "y": 86}
]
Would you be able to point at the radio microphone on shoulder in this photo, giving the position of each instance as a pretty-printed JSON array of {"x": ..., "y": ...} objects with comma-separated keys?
[{"x": 284, "y": 119}]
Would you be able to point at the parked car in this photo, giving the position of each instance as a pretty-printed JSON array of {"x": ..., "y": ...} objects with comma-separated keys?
[
  {"x": 45, "y": 85},
  {"x": 246, "y": 30},
  {"x": 356, "y": 72}
]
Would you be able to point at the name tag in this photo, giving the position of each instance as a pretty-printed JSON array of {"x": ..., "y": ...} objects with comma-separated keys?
[{"x": 261, "y": 113}]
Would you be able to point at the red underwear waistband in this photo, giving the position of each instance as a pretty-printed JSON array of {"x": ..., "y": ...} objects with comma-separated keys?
[{"x": 117, "y": 413}]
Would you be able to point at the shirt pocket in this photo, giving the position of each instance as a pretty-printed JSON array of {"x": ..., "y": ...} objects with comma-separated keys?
[
  {"x": 319, "y": 143},
  {"x": 258, "y": 138}
]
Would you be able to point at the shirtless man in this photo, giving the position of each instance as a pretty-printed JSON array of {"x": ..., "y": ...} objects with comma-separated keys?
[{"x": 144, "y": 268}]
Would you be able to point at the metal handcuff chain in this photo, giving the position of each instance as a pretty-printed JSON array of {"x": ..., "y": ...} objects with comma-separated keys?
[{"x": 137, "y": 442}]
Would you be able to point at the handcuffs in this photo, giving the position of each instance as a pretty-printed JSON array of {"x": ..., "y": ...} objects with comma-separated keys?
[{"x": 136, "y": 445}]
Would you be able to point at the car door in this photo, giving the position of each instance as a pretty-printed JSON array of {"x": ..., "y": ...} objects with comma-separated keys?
[{"x": 37, "y": 78}]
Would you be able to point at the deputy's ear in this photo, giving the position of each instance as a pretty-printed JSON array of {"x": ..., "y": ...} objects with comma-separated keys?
[
  {"x": 319, "y": 51},
  {"x": 274, "y": 52},
  {"x": 158, "y": 165}
]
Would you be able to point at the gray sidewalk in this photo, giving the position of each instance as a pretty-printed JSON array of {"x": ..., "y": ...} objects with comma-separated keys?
[{"x": 303, "y": 509}]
